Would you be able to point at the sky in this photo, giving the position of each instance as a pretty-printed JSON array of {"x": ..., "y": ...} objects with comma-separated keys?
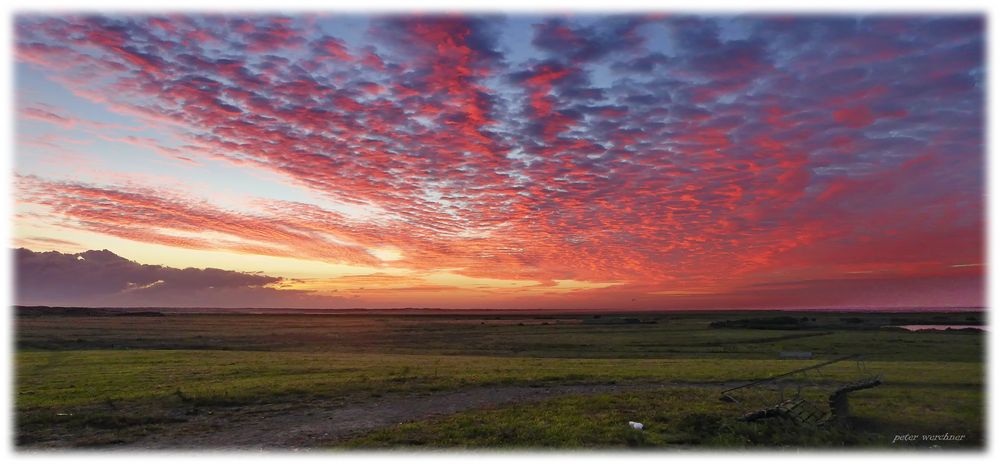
[{"x": 632, "y": 162}]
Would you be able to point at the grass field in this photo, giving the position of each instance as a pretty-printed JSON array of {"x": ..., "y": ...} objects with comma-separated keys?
[{"x": 87, "y": 381}]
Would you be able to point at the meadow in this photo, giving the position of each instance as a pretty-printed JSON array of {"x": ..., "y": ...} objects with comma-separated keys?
[{"x": 319, "y": 381}]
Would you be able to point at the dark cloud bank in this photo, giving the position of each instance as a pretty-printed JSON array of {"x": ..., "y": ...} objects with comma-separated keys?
[{"x": 102, "y": 278}]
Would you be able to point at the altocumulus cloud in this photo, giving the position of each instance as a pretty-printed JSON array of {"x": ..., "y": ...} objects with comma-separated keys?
[{"x": 679, "y": 155}]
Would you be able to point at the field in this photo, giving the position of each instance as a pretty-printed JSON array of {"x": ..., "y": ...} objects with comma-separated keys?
[{"x": 215, "y": 381}]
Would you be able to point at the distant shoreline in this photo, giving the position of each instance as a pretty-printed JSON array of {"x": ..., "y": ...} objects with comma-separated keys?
[{"x": 152, "y": 311}]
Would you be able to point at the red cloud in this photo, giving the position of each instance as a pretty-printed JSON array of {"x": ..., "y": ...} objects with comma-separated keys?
[
  {"x": 715, "y": 168},
  {"x": 857, "y": 117},
  {"x": 863, "y": 116}
]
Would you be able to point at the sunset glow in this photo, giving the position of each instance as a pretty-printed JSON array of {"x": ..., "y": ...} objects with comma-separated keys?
[{"x": 569, "y": 162}]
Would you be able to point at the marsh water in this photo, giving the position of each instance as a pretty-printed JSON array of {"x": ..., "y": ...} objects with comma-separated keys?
[{"x": 940, "y": 327}]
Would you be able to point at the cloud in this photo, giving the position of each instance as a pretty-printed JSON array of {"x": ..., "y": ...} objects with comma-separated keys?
[
  {"x": 101, "y": 278},
  {"x": 578, "y": 43},
  {"x": 169, "y": 219},
  {"x": 668, "y": 153}
]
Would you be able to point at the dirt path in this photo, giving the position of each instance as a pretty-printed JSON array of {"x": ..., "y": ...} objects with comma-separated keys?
[{"x": 297, "y": 426}]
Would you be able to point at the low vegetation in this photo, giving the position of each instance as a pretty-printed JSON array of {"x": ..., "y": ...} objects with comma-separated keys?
[
  {"x": 681, "y": 417},
  {"x": 105, "y": 379}
]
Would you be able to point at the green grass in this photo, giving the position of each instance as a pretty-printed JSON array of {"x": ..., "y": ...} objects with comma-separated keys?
[
  {"x": 673, "y": 336},
  {"x": 681, "y": 417},
  {"x": 65, "y": 379},
  {"x": 89, "y": 381}
]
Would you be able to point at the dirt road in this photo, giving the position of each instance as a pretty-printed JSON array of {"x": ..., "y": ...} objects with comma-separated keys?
[{"x": 299, "y": 427}]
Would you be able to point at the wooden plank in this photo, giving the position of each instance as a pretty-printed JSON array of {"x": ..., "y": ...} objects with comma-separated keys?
[{"x": 800, "y": 370}]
